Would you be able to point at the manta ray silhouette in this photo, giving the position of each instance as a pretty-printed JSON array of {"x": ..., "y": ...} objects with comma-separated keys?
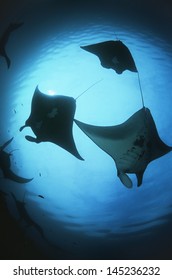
[
  {"x": 132, "y": 144},
  {"x": 24, "y": 216},
  {"x": 4, "y": 39},
  {"x": 51, "y": 120},
  {"x": 114, "y": 55},
  {"x": 5, "y": 165}
]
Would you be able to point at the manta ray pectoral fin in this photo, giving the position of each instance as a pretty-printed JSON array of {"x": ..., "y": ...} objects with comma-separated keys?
[
  {"x": 6, "y": 144},
  {"x": 139, "y": 176},
  {"x": 12, "y": 176},
  {"x": 125, "y": 179}
]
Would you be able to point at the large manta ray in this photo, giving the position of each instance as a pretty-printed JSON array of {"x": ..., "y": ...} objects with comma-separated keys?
[
  {"x": 51, "y": 120},
  {"x": 114, "y": 55},
  {"x": 5, "y": 165},
  {"x": 4, "y": 39},
  {"x": 132, "y": 144}
]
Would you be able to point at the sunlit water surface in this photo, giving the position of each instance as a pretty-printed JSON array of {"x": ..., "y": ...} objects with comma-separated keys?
[{"x": 85, "y": 200}]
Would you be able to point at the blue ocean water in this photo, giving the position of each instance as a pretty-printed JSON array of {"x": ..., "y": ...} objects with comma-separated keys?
[{"x": 86, "y": 210}]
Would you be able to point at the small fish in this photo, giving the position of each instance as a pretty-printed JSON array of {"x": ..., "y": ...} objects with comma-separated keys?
[{"x": 41, "y": 196}]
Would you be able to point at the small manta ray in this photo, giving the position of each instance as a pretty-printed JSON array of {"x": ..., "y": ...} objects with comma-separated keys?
[
  {"x": 4, "y": 39},
  {"x": 132, "y": 144},
  {"x": 5, "y": 165},
  {"x": 114, "y": 55},
  {"x": 51, "y": 120}
]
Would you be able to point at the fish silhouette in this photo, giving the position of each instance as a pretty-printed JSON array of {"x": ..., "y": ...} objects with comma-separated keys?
[{"x": 41, "y": 196}]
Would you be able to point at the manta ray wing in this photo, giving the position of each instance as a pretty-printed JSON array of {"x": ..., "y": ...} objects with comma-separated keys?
[
  {"x": 6, "y": 144},
  {"x": 114, "y": 55},
  {"x": 51, "y": 120},
  {"x": 5, "y": 165},
  {"x": 9, "y": 174},
  {"x": 132, "y": 144}
]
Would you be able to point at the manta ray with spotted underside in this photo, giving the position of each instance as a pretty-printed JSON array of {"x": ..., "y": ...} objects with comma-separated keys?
[
  {"x": 51, "y": 120},
  {"x": 132, "y": 144},
  {"x": 114, "y": 55}
]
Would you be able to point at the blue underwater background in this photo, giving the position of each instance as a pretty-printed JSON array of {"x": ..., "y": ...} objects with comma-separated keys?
[{"x": 86, "y": 212}]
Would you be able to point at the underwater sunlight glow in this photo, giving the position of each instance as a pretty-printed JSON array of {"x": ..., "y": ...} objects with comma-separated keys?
[{"x": 85, "y": 200}]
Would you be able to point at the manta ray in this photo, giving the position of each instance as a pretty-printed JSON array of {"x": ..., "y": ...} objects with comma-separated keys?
[
  {"x": 5, "y": 165},
  {"x": 132, "y": 144},
  {"x": 114, "y": 55},
  {"x": 4, "y": 39},
  {"x": 24, "y": 216},
  {"x": 51, "y": 120}
]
